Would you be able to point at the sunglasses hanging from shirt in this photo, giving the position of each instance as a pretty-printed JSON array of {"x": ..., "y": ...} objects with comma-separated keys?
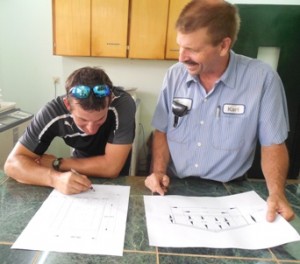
[{"x": 84, "y": 91}]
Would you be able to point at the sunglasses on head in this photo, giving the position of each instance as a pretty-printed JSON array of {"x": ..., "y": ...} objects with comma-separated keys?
[{"x": 84, "y": 91}]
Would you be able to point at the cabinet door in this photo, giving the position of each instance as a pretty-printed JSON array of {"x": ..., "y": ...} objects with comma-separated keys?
[
  {"x": 109, "y": 28},
  {"x": 71, "y": 27},
  {"x": 148, "y": 29},
  {"x": 172, "y": 49}
]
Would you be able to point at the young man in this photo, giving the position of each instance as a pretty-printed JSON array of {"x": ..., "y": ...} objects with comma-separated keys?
[
  {"x": 94, "y": 118},
  {"x": 215, "y": 105}
]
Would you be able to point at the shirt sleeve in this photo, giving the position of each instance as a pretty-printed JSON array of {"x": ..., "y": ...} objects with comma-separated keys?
[
  {"x": 35, "y": 137},
  {"x": 124, "y": 108},
  {"x": 273, "y": 120}
]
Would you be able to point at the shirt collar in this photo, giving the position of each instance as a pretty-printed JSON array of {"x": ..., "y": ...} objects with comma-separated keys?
[
  {"x": 228, "y": 77},
  {"x": 190, "y": 79}
]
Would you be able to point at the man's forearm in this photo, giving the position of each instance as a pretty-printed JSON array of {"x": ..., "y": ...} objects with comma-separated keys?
[
  {"x": 275, "y": 163},
  {"x": 25, "y": 170},
  {"x": 93, "y": 166},
  {"x": 160, "y": 152},
  {"x": 108, "y": 165}
]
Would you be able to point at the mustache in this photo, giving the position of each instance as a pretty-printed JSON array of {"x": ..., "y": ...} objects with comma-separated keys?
[{"x": 190, "y": 62}]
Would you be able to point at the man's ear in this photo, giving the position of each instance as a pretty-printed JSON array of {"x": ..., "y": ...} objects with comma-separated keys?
[
  {"x": 67, "y": 103},
  {"x": 225, "y": 46},
  {"x": 110, "y": 98}
]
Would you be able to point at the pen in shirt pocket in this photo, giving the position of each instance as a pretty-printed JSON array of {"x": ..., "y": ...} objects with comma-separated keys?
[
  {"x": 218, "y": 111},
  {"x": 75, "y": 172}
]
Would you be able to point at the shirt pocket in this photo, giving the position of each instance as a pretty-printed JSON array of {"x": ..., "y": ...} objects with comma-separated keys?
[
  {"x": 178, "y": 134},
  {"x": 229, "y": 132}
]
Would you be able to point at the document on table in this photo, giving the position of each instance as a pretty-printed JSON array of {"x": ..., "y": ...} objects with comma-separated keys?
[
  {"x": 92, "y": 222},
  {"x": 235, "y": 221}
]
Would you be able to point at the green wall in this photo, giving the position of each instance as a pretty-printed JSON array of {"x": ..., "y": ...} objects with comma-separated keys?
[{"x": 276, "y": 26}]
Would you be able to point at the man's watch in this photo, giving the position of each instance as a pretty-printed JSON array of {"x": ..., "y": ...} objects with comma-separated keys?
[{"x": 56, "y": 163}]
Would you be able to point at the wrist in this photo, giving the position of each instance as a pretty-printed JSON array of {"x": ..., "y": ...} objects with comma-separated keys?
[
  {"x": 159, "y": 172},
  {"x": 56, "y": 164}
]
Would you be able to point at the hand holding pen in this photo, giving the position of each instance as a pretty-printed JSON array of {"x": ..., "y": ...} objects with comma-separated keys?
[
  {"x": 70, "y": 182},
  {"x": 75, "y": 172}
]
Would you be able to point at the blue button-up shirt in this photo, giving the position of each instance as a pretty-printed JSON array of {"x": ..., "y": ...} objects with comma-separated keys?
[{"x": 217, "y": 137}]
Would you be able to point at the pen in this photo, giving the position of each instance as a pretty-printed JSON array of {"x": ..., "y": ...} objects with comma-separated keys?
[
  {"x": 218, "y": 111},
  {"x": 75, "y": 172}
]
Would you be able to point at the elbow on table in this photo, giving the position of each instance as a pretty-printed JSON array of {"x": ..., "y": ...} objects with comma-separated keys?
[
  {"x": 113, "y": 176},
  {"x": 11, "y": 172},
  {"x": 14, "y": 170},
  {"x": 113, "y": 173},
  {"x": 109, "y": 173},
  {"x": 8, "y": 168}
]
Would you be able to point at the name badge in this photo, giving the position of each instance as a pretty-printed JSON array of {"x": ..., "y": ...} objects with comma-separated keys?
[{"x": 233, "y": 109}]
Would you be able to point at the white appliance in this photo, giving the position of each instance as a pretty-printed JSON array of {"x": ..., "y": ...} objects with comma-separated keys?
[
  {"x": 13, "y": 122},
  {"x": 135, "y": 145}
]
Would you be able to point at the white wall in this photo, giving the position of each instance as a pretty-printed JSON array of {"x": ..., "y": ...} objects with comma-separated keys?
[
  {"x": 27, "y": 66},
  {"x": 26, "y": 61}
]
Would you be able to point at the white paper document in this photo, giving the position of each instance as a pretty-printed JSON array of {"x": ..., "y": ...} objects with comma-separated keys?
[
  {"x": 92, "y": 222},
  {"x": 235, "y": 221}
]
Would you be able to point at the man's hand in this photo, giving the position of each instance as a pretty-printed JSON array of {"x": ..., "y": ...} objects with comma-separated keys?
[
  {"x": 157, "y": 183},
  {"x": 278, "y": 204},
  {"x": 72, "y": 183}
]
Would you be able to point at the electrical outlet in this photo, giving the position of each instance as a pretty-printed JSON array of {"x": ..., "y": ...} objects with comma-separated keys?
[{"x": 56, "y": 80}]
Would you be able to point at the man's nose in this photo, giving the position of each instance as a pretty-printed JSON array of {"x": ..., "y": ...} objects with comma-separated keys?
[
  {"x": 91, "y": 128},
  {"x": 182, "y": 54}
]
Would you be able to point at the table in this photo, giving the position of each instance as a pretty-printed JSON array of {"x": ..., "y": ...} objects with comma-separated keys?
[{"x": 19, "y": 203}]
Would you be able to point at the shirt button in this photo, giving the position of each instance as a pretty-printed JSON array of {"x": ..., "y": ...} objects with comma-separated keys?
[
  {"x": 205, "y": 100},
  {"x": 199, "y": 144},
  {"x": 201, "y": 122},
  {"x": 196, "y": 165}
]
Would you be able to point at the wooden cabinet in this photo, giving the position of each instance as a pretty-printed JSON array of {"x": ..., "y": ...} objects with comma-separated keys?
[
  {"x": 71, "y": 27},
  {"x": 103, "y": 28},
  {"x": 109, "y": 28},
  {"x": 175, "y": 7},
  {"x": 90, "y": 28},
  {"x": 148, "y": 27}
]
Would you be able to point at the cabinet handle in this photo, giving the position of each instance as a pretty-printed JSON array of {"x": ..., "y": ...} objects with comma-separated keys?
[{"x": 112, "y": 44}]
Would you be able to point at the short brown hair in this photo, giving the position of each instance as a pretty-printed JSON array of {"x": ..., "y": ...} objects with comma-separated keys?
[
  {"x": 90, "y": 76},
  {"x": 220, "y": 18}
]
